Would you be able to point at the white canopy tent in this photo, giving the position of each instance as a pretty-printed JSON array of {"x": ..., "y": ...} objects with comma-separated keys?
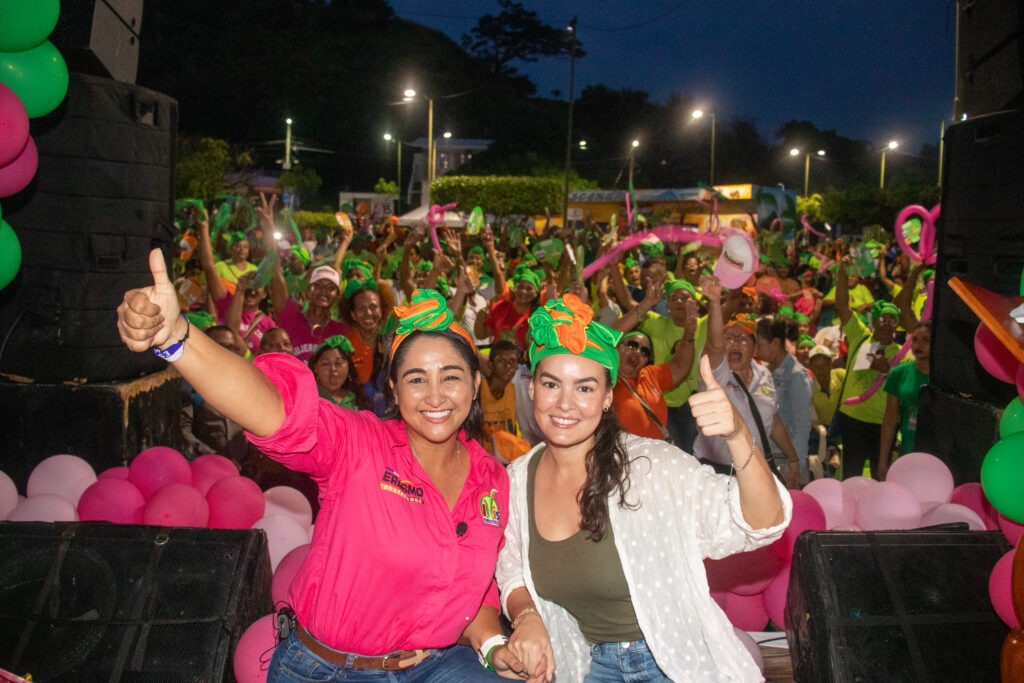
[{"x": 452, "y": 219}]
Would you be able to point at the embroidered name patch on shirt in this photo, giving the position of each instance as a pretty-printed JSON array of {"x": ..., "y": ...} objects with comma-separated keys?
[
  {"x": 489, "y": 511},
  {"x": 393, "y": 483}
]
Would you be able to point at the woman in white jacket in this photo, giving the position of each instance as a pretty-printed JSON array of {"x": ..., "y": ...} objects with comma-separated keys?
[{"x": 602, "y": 572}]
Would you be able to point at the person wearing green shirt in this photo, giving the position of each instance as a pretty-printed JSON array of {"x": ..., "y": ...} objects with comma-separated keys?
[{"x": 901, "y": 389}]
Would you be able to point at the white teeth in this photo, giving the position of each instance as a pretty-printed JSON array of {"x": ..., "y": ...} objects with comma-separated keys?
[
  {"x": 562, "y": 421},
  {"x": 438, "y": 414}
]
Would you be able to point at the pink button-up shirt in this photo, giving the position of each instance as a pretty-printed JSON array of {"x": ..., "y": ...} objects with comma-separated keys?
[{"x": 391, "y": 567}]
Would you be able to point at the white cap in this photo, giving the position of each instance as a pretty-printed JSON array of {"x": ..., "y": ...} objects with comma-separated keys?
[
  {"x": 820, "y": 350},
  {"x": 738, "y": 260}
]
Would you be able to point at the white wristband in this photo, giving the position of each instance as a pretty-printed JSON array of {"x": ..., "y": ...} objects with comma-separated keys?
[{"x": 484, "y": 653}]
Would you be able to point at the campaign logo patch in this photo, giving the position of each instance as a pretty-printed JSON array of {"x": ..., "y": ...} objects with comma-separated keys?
[
  {"x": 489, "y": 508},
  {"x": 392, "y": 482}
]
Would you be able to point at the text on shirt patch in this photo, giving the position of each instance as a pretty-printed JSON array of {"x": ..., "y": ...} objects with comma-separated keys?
[
  {"x": 489, "y": 508},
  {"x": 403, "y": 488}
]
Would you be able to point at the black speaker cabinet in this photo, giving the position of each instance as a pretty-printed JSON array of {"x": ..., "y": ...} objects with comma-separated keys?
[
  {"x": 101, "y": 602},
  {"x": 989, "y": 59},
  {"x": 957, "y": 430},
  {"x": 100, "y": 37},
  {"x": 980, "y": 240},
  {"x": 894, "y": 606},
  {"x": 101, "y": 199}
]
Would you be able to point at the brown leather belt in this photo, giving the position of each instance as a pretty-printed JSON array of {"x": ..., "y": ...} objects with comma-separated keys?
[{"x": 395, "y": 661}]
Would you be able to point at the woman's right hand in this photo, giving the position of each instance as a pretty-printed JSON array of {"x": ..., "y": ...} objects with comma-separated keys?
[
  {"x": 531, "y": 643},
  {"x": 148, "y": 316}
]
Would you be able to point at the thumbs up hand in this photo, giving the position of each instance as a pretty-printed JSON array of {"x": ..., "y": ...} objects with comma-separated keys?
[
  {"x": 148, "y": 316},
  {"x": 712, "y": 408}
]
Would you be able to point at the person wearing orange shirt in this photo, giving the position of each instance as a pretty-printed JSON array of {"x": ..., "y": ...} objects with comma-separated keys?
[{"x": 639, "y": 398}]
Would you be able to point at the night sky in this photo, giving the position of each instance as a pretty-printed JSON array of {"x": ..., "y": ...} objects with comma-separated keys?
[{"x": 873, "y": 70}]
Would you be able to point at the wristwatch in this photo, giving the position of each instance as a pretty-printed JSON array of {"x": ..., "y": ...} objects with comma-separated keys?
[{"x": 487, "y": 647}]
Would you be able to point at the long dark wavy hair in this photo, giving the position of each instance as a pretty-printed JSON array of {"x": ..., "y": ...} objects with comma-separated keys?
[
  {"x": 474, "y": 422},
  {"x": 608, "y": 466}
]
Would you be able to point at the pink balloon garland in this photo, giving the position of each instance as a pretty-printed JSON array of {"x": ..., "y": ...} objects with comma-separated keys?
[
  {"x": 810, "y": 228},
  {"x": 925, "y": 252},
  {"x": 665, "y": 233},
  {"x": 435, "y": 217}
]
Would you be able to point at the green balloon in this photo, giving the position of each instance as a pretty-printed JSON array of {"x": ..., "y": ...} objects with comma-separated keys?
[
  {"x": 1012, "y": 420},
  {"x": 1002, "y": 476},
  {"x": 38, "y": 76},
  {"x": 26, "y": 24},
  {"x": 10, "y": 254}
]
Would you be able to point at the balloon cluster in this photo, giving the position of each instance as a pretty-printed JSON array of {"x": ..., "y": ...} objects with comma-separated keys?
[
  {"x": 33, "y": 82},
  {"x": 160, "y": 487},
  {"x": 751, "y": 587}
]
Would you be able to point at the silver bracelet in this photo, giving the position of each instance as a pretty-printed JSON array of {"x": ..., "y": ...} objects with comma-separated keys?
[{"x": 753, "y": 447}]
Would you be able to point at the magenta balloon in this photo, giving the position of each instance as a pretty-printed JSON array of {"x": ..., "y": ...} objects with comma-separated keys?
[
  {"x": 997, "y": 360},
  {"x": 836, "y": 501},
  {"x": 284, "y": 534},
  {"x": 156, "y": 467},
  {"x": 251, "y": 660},
  {"x": 64, "y": 475},
  {"x": 949, "y": 513},
  {"x": 746, "y": 612},
  {"x": 207, "y": 469},
  {"x": 775, "y": 597},
  {"x": 13, "y": 126},
  {"x": 47, "y": 507},
  {"x": 112, "y": 500},
  {"x": 807, "y": 516},
  {"x": 288, "y": 501},
  {"x": 18, "y": 173},
  {"x": 8, "y": 496},
  {"x": 665, "y": 233},
  {"x": 927, "y": 477},
  {"x": 235, "y": 503},
  {"x": 1013, "y": 531},
  {"x": 1000, "y": 590},
  {"x": 888, "y": 506},
  {"x": 177, "y": 505},
  {"x": 971, "y": 495},
  {"x": 119, "y": 472},
  {"x": 286, "y": 571},
  {"x": 744, "y": 573},
  {"x": 927, "y": 226}
]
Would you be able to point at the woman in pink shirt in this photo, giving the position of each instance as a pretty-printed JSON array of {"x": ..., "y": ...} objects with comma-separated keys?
[{"x": 413, "y": 510}]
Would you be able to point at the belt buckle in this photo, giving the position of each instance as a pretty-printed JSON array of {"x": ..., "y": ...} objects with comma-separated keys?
[{"x": 395, "y": 661}]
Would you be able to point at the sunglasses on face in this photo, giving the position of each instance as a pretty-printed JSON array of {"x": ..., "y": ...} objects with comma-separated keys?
[{"x": 635, "y": 346}]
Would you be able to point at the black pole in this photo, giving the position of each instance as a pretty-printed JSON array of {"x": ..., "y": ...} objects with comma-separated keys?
[{"x": 568, "y": 134}]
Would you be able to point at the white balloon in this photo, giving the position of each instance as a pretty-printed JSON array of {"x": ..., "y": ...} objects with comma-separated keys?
[
  {"x": 285, "y": 500},
  {"x": 8, "y": 496},
  {"x": 67, "y": 476},
  {"x": 284, "y": 534},
  {"x": 46, "y": 507}
]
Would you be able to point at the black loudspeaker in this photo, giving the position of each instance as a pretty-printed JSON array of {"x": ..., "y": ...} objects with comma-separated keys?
[
  {"x": 103, "y": 602},
  {"x": 990, "y": 62},
  {"x": 101, "y": 199},
  {"x": 980, "y": 240},
  {"x": 100, "y": 37},
  {"x": 957, "y": 430},
  {"x": 894, "y": 606}
]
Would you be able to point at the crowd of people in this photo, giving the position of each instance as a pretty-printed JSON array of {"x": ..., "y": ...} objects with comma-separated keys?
[{"x": 646, "y": 395}]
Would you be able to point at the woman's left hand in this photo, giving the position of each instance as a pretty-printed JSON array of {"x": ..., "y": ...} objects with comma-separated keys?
[{"x": 507, "y": 665}]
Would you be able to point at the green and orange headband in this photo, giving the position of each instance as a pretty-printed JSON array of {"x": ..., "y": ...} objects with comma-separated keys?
[
  {"x": 567, "y": 325},
  {"x": 427, "y": 312},
  {"x": 744, "y": 321}
]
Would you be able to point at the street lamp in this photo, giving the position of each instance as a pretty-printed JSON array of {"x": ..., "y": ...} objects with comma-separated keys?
[
  {"x": 398, "y": 171},
  {"x": 571, "y": 34},
  {"x": 699, "y": 113},
  {"x": 410, "y": 95},
  {"x": 632, "y": 148},
  {"x": 287, "y": 165},
  {"x": 807, "y": 165},
  {"x": 893, "y": 144}
]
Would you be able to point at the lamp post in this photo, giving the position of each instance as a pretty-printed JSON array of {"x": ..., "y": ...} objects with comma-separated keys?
[
  {"x": 632, "y": 148},
  {"x": 398, "y": 167},
  {"x": 699, "y": 113},
  {"x": 287, "y": 165},
  {"x": 410, "y": 95},
  {"x": 893, "y": 144},
  {"x": 807, "y": 165},
  {"x": 571, "y": 30}
]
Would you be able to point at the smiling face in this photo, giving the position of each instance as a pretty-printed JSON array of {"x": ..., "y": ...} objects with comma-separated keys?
[
  {"x": 367, "y": 311},
  {"x": 803, "y": 354},
  {"x": 331, "y": 370},
  {"x": 524, "y": 294},
  {"x": 739, "y": 348},
  {"x": 885, "y": 328},
  {"x": 569, "y": 393},
  {"x": 322, "y": 293},
  {"x": 433, "y": 387}
]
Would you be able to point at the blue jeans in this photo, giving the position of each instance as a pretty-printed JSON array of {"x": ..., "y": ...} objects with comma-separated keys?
[
  {"x": 623, "y": 663},
  {"x": 293, "y": 662}
]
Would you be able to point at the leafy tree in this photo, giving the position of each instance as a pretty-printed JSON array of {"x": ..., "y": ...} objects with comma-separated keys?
[
  {"x": 202, "y": 166},
  {"x": 388, "y": 187},
  {"x": 303, "y": 181}
]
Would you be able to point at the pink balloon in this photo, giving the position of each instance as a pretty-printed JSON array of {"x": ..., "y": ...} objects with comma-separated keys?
[
  {"x": 286, "y": 571},
  {"x": 18, "y": 173},
  {"x": 119, "y": 472},
  {"x": 156, "y": 467},
  {"x": 288, "y": 501},
  {"x": 207, "y": 469},
  {"x": 13, "y": 125},
  {"x": 997, "y": 360},
  {"x": 746, "y": 611},
  {"x": 888, "y": 506},
  {"x": 64, "y": 475},
  {"x": 752, "y": 647},
  {"x": 8, "y": 496},
  {"x": 284, "y": 534},
  {"x": 235, "y": 503},
  {"x": 665, "y": 233},
  {"x": 775, "y": 597},
  {"x": 112, "y": 500},
  {"x": 1013, "y": 531},
  {"x": 1000, "y": 590},
  {"x": 927, "y": 477},
  {"x": 847, "y": 527},
  {"x": 859, "y": 485},
  {"x": 46, "y": 507},
  {"x": 948, "y": 513},
  {"x": 744, "y": 573},
  {"x": 177, "y": 505},
  {"x": 836, "y": 501},
  {"x": 972, "y": 496},
  {"x": 255, "y": 648},
  {"x": 807, "y": 516}
]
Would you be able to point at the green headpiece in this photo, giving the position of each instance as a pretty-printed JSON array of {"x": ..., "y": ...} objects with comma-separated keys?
[
  {"x": 477, "y": 250},
  {"x": 806, "y": 340},
  {"x": 354, "y": 286},
  {"x": 672, "y": 284},
  {"x": 567, "y": 325},
  {"x": 630, "y": 262},
  {"x": 340, "y": 342},
  {"x": 523, "y": 273},
  {"x": 302, "y": 254},
  {"x": 881, "y": 308}
]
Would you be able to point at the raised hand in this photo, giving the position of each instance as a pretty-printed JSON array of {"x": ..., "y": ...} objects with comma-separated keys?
[
  {"x": 712, "y": 409},
  {"x": 266, "y": 211},
  {"x": 148, "y": 316}
]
